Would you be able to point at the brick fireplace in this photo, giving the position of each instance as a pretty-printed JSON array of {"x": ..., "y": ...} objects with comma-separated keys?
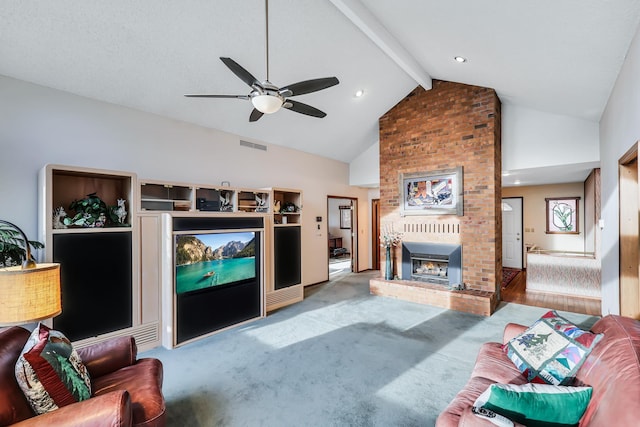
[{"x": 453, "y": 125}]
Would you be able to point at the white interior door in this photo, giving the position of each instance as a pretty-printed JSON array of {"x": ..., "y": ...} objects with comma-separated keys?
[{"x": 512, "y": 245}]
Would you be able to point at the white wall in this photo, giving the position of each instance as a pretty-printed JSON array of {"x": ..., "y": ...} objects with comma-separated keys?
[
  {"x": 532, "y": 139},
  {"x": 535, "y": 220},
  {"x": 40, "y": 125},
  {"x": 364, "y": 170},
  {"x": 619, "y": 130}
]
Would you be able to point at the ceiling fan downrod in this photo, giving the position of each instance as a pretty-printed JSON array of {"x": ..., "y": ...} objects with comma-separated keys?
[{"x": 266, "y": 14}]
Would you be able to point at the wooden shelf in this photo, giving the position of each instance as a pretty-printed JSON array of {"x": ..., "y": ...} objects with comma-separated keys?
[
  {"x": 110, "y": 303},
  {"x": 172, "y": 197},
  {"x": 79, "y": 230},
  {"x": 285, "y": 284}
]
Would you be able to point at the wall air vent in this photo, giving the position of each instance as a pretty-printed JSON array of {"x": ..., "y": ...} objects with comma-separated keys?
[{"x": 253, "y": 145}]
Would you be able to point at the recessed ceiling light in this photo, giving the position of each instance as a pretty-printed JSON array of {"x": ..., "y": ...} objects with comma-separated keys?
[
  {"x": 460, "y": 59},
  {"x": 505, "y": 173},
  {"x": 516, "y": 182},
  {"x": 359, "y": 93}
]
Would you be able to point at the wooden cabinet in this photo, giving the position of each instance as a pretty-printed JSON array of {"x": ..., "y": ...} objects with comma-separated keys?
[
  {"x": 158, "y": 196},
  {"x": 101, "y": 292},
  {"x": 287, "y": 206},
  {"x": 334, "y": 243},
  {"x": 113, "y": 275},
  {"x": 285, "y": 286}
]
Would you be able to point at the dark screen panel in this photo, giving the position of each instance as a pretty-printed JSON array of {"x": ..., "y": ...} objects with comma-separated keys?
[
  {"x": 96, "y": 283},
  {"x": 287, "y": 250},
  {"x": 211, "y": 309},
  {"x": 207, "y": 310},
  {"x": 216, "y": 223}
]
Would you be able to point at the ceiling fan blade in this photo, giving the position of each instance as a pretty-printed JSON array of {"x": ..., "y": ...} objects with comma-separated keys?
[
  {"x": 301, "y": 108},
  {"x": 219, "y": 96},
  {"x": 255, "y": 115},
  {"x": 243, "y": 74},
  {"x": 308, "y": 86}
]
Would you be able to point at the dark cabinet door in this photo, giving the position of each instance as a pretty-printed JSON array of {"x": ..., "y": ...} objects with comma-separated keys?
[
  {"x": 287, "y": 259},
  {"x": 96, "y": 283}
]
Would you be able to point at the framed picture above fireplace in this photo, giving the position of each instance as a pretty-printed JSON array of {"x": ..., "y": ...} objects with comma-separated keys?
[{"x": 432, "y": 193}]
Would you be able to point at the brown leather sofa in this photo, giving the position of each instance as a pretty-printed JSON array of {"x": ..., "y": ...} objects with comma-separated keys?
[
  {"x": 126, "y": 391},
  {"x": 612, "y": 369}
]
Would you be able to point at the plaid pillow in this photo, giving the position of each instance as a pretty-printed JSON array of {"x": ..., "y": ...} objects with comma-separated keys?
[{"x": 551, "y": 350}]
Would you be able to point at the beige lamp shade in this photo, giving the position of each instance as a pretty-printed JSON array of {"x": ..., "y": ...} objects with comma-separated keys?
[{"x": 29, "y": 295}]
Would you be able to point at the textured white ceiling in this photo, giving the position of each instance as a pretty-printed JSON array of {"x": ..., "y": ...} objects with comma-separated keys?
[{"x": 556, "y": 56}]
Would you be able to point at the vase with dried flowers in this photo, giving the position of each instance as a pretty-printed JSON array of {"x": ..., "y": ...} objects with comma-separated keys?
[{"x": 389, "y": 239}]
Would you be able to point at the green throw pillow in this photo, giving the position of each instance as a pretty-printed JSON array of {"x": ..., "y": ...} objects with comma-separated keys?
[{"x": 536, "y": 405}]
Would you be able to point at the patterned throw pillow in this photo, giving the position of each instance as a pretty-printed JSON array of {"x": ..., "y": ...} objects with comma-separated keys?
[
  {"x": 534, "y": 405},
  {"x": 551, "y": 350},
  {"x": 50, "y": 372}
]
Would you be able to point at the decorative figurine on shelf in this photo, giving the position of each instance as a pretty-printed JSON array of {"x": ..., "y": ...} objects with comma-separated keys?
[
  {"x": 119, "y": 213},
  {"x": 276, "y": 206},
  {"x": 261, "y": 202},
  {"x": 225, "y": 201},
  {"x": 101, "y": 221},
  {"x": 59, "y": 215}
]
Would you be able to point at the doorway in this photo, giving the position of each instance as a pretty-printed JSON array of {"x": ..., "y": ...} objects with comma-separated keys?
[
  {"x": 512, "y": 244},
  {"x": 342, "y": 240},
  {"x": 375, "y": 234},
  {"x": 629, "y": 234}
]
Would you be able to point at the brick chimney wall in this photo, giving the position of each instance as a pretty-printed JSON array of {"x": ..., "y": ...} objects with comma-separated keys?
[{"x": 449, "y": 126}]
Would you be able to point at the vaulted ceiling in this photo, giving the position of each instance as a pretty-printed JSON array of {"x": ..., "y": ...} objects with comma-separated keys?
[{"x": 556, "y": 56}]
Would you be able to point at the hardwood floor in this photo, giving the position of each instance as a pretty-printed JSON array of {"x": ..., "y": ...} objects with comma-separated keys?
[{"x": 516, "y": 292}]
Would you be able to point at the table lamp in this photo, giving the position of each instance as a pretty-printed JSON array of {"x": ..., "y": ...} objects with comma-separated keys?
[{"x": 30, "y": 292}]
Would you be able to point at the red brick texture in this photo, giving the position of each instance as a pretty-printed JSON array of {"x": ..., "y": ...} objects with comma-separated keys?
[{"x": 449, "y": 126}]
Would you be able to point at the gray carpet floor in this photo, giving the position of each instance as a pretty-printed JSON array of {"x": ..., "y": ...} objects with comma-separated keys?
[{"x": 341, "y": 357}]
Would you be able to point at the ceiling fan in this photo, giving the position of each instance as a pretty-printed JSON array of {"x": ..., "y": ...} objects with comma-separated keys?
[{"x": 268, "y": 98}]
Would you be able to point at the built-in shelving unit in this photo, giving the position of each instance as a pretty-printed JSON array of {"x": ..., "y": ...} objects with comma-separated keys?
[
  {"x": 156, "y": 196},
  {"x": 101, "y": 297},
  {"x": 285, "y": 286},
  {"x": 171, "y": 197},
  {"x": 215, "y": 293},
  {"x": 115, "y": 277},
  {"x": 287, "y": 206}
]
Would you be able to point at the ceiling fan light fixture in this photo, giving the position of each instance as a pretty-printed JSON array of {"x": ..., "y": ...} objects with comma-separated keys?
[{"x": 267, "y": 104}]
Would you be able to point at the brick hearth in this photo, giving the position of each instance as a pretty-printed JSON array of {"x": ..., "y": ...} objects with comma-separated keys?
[
  {"x": 470, "y": 301},
  {"x": 449, "y": 126}
]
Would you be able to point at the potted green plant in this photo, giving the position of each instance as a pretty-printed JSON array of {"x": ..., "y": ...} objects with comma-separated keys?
[
  {"x": 13, "y": 245},
  {"x": 289, "y": 207},
  {"x": 90, "y": 212}
]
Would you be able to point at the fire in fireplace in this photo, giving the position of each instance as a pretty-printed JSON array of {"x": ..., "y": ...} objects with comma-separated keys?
[
  {"x": 435, "y": 263},
  {"x": 429, "y": 268}
]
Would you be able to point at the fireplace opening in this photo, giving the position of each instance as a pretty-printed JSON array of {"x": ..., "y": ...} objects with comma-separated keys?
[
  {"x": 430, "y": 268},
  {"x": 435, "y": 263}
]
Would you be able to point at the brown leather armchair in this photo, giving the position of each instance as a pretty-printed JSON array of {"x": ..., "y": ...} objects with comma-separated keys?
[{"x": 126, "y": 391}]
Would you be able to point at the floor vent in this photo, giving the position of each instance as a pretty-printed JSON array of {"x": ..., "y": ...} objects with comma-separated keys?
[
  {"x": 147, "y": 336},
  {"x": 253, "y": 145},
  {"x": 283, "y": 297}
]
